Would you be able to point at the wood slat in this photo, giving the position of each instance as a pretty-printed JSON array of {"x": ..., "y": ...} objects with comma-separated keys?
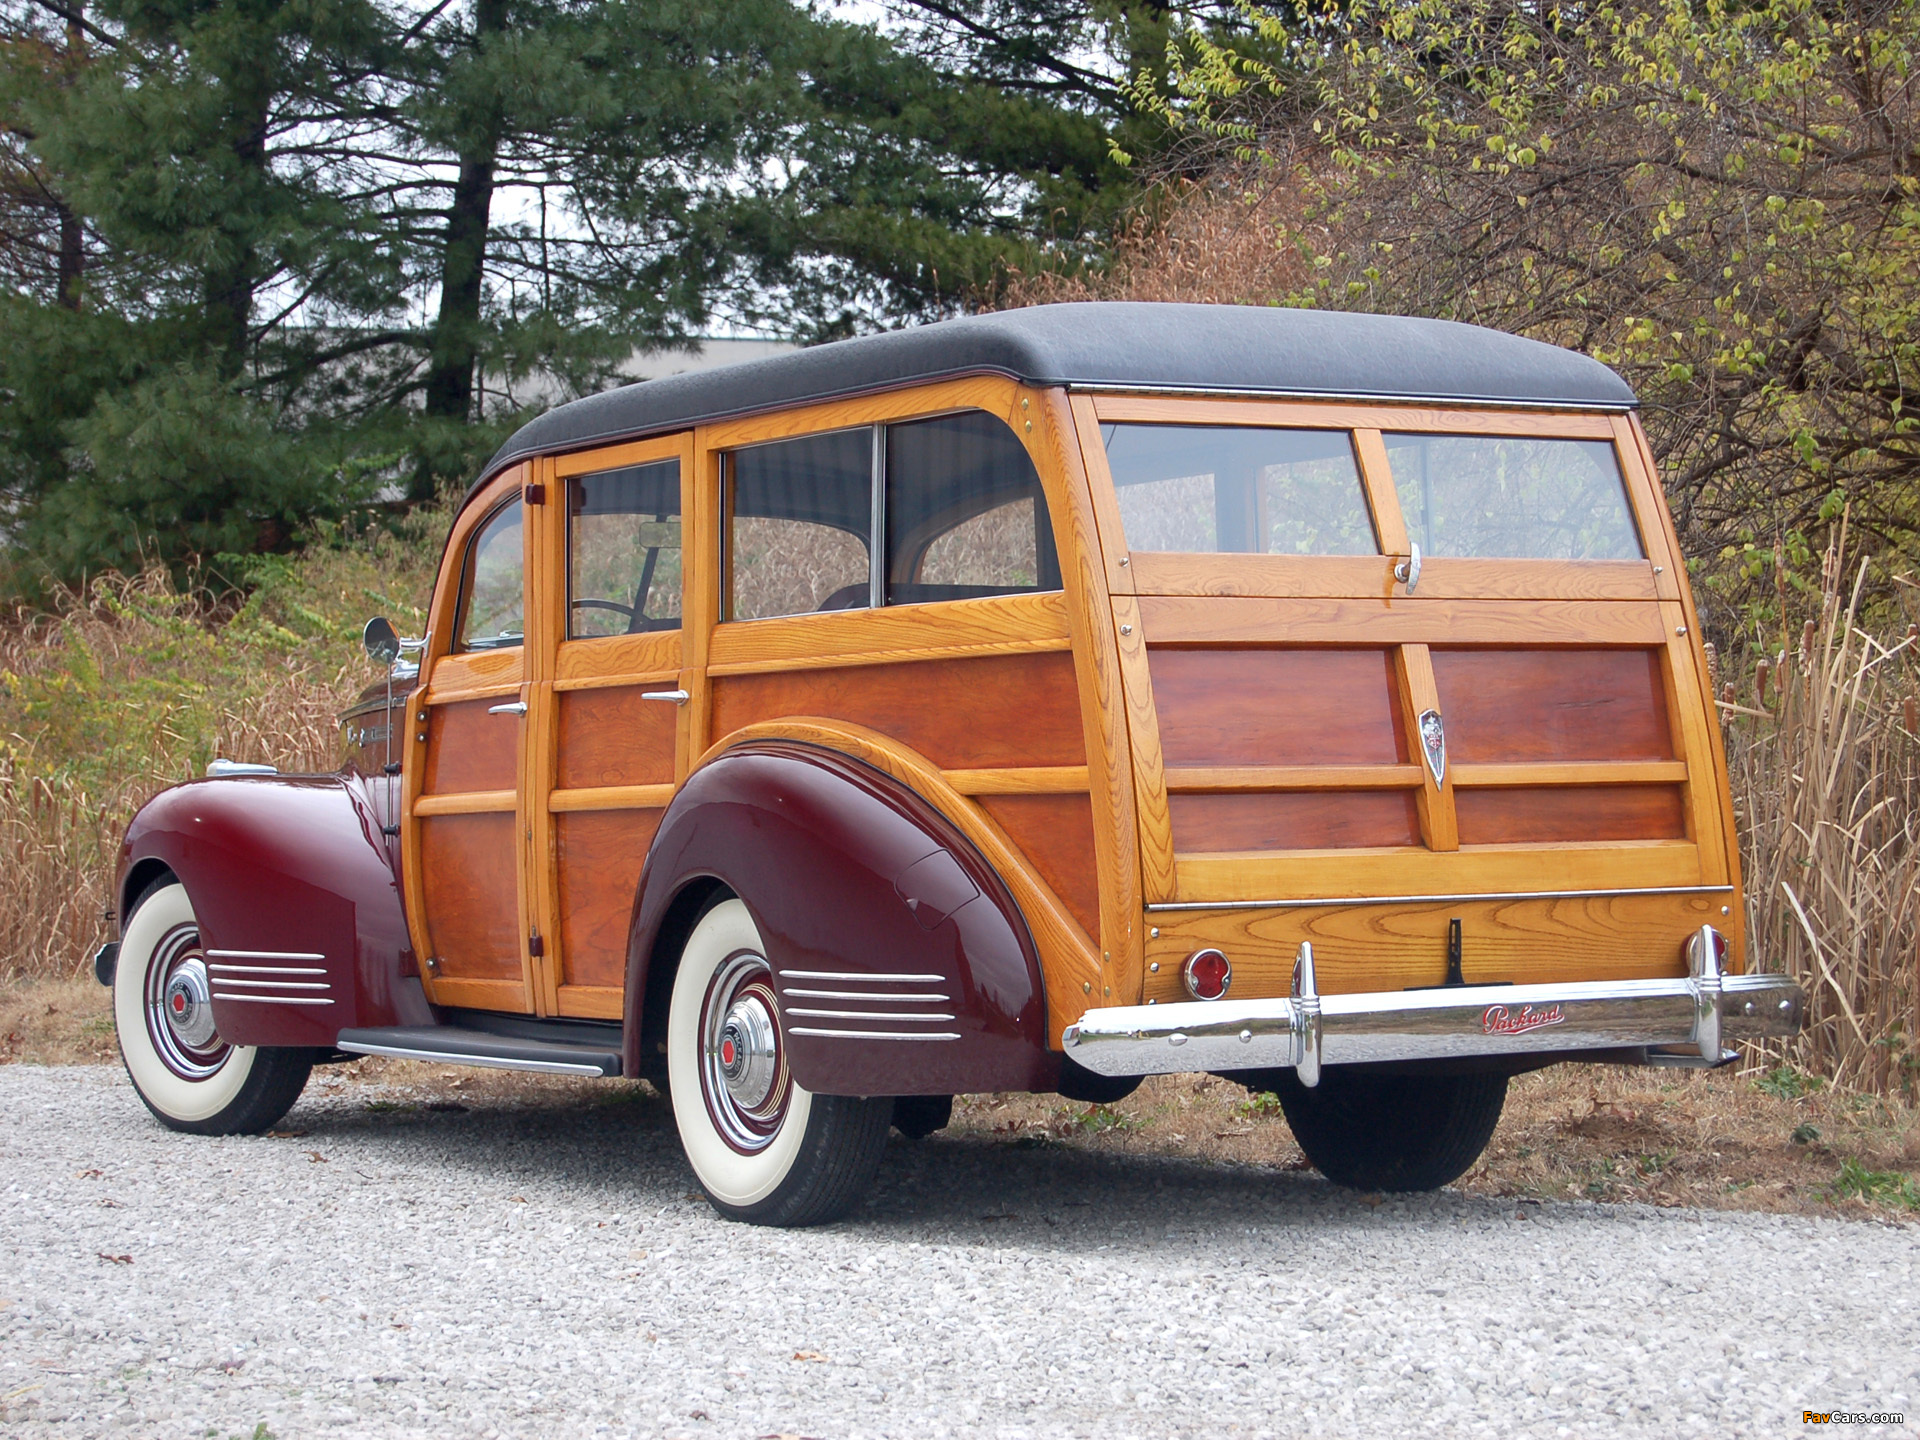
[
  {"x": 1332, "y": 577},
  {"x": 1414, "y": 683},
  {"x": 611, "y": 797},
  {"x": 476, "y": 673},
  {"x": 1228, "y": 779},
  {"x": 1031, "y": 780},
  {"x": 593, "y": 1002},
  {"x": 988, "y": 625},
  {"x": 619, "y": 660},
  {"x": 1649, "y": 772},
  {"x": 1237, "y": 620},
  {"x": 1340, "y": 415},
  {"x": 1342, "y": 874},
  {"x": 470, "y": 802}
]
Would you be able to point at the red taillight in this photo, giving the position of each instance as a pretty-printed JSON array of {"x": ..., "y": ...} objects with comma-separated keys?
[
  {"x": 1692, "y": 951},
  {"x": 1207, "y": 974}
]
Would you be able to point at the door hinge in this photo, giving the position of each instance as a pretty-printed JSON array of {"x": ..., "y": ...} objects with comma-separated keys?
[
  {"x": 536, "y": 947},
  {"x": 534, "y": 494}
]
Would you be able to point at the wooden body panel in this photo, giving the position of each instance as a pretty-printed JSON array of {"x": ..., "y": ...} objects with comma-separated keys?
[{"x": 600, "y": 854}]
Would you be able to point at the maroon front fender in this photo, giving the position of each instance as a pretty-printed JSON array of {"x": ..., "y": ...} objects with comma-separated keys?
[
  {"x": 846, "y": 872},
  {"x": 280, "y": 867}
]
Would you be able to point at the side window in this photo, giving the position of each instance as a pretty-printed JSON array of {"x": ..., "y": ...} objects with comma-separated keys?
[
  {"x": 965, "y": 514},
  {"x": 1212, "y": 489},
  {"x": 623, "y": 550},
  {"x": 1513, "y": 499},
  {"x": 799, "y": 525},
  {"x": 492, "y": 586}
]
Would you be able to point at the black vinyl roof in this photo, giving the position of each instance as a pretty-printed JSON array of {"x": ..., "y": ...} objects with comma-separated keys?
[{"x": 1111, "y": 345}]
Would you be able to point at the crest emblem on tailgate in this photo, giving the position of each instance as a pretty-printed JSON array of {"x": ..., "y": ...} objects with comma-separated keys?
[
  {"x": 1499, "y": 1020},
  {"x": 1433, "y": 740}
]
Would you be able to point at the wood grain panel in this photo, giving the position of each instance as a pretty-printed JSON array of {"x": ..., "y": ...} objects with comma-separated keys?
[
  {"x": 1375, "y": 948},
  {"x": 1270, "y": 706},
  {"x": 1555, "y": 815},
  {"x": 1242, "y": 620},
  {"x": 600, "y": 856},
  {"x": 476, "y": 671},
  {"x": 472, "y": 895},
  {"x": 617, "y": 659},
  {"x": 1491, "y": 869},
  {"x": 613, "y": 737},
  {"x": 1037, "y": 780},
  {"x": 468, "y": 749},
  {"x": 1301, "y": 820},
  {"x": 1055, "y": 833},
  {"x": 982, "y": 713},
  {"x": 1537, "y": 705},
  {"x": 986, "y": 625}
]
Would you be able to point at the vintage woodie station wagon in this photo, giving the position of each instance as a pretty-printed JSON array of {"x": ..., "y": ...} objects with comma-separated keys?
[{"x": 1031, "y": 701}]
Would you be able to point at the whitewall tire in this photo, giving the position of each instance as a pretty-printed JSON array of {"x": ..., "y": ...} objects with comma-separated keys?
[
  {"x": 764, "y": 1149},
  {"x": 188, "y": 1076}
]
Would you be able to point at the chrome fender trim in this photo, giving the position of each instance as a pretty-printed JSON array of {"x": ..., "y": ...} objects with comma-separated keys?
[{"x": 1695, "y": 1015}]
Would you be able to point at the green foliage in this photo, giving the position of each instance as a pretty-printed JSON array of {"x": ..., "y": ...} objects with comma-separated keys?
[
  {"x": 1878, "y": 1187},
  {"x": 1263, "y": 1106},
  {"x": 1784, "y": 1082}
]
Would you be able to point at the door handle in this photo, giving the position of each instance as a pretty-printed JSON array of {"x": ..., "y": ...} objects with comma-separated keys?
[
  {"x": 676, "y": 697},
  {"x": 518, "y": 707}
]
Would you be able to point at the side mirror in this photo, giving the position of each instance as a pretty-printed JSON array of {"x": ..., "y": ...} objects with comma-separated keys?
[{"x": 382, "y": 640}]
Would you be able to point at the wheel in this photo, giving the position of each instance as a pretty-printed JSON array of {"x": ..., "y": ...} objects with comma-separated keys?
[
  {"x": 1390, "y": 1132},
  {"x": 188, "y": 1076},
  {"x": 918, "y": 1116},
  {"x": 763, "y": 1149}
]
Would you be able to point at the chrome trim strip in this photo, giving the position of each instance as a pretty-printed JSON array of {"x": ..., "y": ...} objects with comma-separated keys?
[
  {"x": 876, "y": 979},
  {"x": 868, "y": 1015},
  {"x": 265, "y": 970},
  {"x": 1454, "y": 402},
  {"x": 1162, "y": 906},
  {"x": 867, "y": 995},
  {"x": 273, "y": 984},
  {"x": 274, "y": 999},
  {"x": 489, "y": 1062},
  {"x": 261, "y": 955},
  {"x": 868, "y": 1034},
  {"x": 1446, "y": 1023}
]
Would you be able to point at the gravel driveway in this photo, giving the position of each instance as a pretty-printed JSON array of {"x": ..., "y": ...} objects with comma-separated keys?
[{"x": 538, "y": 1267}]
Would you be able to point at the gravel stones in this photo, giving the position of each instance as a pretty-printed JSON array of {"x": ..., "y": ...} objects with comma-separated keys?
[{"x": 542, "y": 1266}]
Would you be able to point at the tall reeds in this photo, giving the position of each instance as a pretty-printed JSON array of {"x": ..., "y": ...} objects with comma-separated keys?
[{"x": 1824, "y": 750}]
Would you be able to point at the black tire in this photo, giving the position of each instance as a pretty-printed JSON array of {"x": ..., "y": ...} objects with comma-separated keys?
[
  {"x": 764, "y": 1150},
  {"x": 1390, "y": 1132},
  {"x": 918, "y": 1116},
  {"x": 191, "y": 1082}
]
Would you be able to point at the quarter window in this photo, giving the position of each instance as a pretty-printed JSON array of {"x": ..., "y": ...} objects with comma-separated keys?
[
  {"x": 800, "y": 523},
  {"x": 1205, "y": 489},
  {"x": 623, "y": 534},
  {"x": 965, "y": 516},
  {"x": 1515, "y": 499},
  {"x": 492, "y": 584}
]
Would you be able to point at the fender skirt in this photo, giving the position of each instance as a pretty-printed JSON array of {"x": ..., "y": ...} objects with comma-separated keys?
[
  {"x": 289, "y": 875},
  {"x": 862, "y": 890}
]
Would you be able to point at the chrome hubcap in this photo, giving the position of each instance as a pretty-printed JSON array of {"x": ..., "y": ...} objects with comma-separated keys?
[
  {"x": 179, "y": 1006},
  {"x": 189, "y": 1004},
  {"x": 743, "y": 1064}
]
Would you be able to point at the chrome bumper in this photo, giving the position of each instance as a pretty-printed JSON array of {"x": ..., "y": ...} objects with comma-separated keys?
[{"x": 1685, "y": 1021}]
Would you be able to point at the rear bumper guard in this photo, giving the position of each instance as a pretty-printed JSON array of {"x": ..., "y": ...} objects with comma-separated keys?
[{"x": 1685, "y": 1021}]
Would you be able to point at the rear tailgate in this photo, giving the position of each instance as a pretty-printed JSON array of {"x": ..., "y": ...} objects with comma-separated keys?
[{"x": 1323, "y": 752}]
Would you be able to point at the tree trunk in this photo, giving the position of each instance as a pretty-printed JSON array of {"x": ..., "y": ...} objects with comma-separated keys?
[
  {"x": 73, "y": 254},
  {"x": 456, "y": 331}
]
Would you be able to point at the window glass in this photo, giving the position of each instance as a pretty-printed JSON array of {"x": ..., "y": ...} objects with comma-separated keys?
[
  {"x": 1246, "y": 489},
  {"x": 493, "y": 593},
  {"x": 1516, "y": 499},
  {"x": 800, "y": 520},
  {"x": 624, "y": 550},
  {"x": 965, "y": 515}
]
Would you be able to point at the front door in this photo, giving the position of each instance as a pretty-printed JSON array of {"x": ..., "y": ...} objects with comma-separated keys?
[{"x": 464, "y": 835}]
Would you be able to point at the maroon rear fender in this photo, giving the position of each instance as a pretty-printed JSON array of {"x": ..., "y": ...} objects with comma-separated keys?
[
  {"x": 847, "y": 873},
  {"x": 287, "y": 874}
]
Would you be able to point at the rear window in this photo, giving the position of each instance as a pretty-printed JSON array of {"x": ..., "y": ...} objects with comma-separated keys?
[
  {"x": 1515, "y": 499},
  {"x": 1206, "y": 489}
]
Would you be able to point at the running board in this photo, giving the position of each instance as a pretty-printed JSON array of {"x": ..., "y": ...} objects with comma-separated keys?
[{"x": 549, "y": 1054}]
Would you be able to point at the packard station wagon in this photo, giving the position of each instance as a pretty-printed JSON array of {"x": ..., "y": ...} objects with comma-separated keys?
[{"x": 1026, "y": 702}]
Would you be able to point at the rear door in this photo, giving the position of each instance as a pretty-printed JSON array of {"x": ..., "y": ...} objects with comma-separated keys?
[{"x": 1330, "y": 745}]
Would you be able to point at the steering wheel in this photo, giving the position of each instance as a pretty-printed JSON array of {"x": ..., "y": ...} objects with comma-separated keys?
[{"x": 613, "y": 605}]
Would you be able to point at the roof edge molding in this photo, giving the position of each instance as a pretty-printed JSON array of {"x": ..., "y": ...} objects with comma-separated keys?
[{"x": 1248, "y": 349}]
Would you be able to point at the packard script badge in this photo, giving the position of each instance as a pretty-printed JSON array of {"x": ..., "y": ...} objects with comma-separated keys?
[
  {"x": 1433, "y": 740},
  {"x": 1499, "y": 1020}
]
